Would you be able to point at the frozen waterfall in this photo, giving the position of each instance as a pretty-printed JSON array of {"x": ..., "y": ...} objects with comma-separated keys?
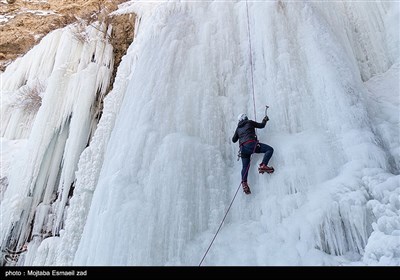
[{"x": 160, "y": 170}]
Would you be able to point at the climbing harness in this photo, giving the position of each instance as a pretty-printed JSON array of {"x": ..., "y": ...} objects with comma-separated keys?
[{"x": 241, "y": 145}]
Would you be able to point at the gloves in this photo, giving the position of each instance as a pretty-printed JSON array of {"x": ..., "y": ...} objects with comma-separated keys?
[{"x": 265, "y": 119}]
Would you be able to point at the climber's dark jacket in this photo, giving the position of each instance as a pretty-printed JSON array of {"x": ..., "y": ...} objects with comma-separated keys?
[{"x": 246, "y": 131}]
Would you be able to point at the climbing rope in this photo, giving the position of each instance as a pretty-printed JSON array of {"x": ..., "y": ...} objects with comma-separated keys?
[
  {"x": 255, "y": 118},
  {"x": 251, "y": 60},
  {"x": 215, "y": 236},
  {"x": 227, "y": 211}
]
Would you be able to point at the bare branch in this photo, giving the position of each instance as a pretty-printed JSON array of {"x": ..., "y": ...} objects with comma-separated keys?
[{"x": 29, "y": 98}]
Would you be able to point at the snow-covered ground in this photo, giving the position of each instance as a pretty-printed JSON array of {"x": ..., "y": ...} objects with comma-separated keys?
[{"x": 160, "y": 172}]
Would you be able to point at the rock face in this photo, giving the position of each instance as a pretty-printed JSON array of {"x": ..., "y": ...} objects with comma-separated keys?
[
  {"x": 23, "y": 23},
  {"x": 122, "y": 37}
]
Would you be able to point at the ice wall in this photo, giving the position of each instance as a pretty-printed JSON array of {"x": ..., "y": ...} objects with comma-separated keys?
[
  {"x": 170, "y": 171},
  {"x": 73, "y": 67},
  {"x": 160, "y": 171}
]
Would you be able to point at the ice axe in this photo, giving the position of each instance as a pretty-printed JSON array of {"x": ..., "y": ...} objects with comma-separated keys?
[{"x": 266, "y": 108}]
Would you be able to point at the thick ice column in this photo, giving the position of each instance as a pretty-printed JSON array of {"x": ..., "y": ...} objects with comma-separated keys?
[
  {"x": 80, "y": 71},
  {"x": 23, "y": 85},
  {"x": 89, "y": 166},
  {"x": 163, "y": 176}
]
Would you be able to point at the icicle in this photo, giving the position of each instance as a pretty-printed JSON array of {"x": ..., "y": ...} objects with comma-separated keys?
[{"x": 60, "y": 129}]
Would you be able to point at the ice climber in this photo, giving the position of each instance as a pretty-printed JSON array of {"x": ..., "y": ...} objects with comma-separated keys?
[{"x": 248, "y": 144}]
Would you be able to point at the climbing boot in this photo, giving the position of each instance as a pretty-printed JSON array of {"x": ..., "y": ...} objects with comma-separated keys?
[
  {"x": 246, "y": 188},
  {"x": 265, "y": 168}
]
